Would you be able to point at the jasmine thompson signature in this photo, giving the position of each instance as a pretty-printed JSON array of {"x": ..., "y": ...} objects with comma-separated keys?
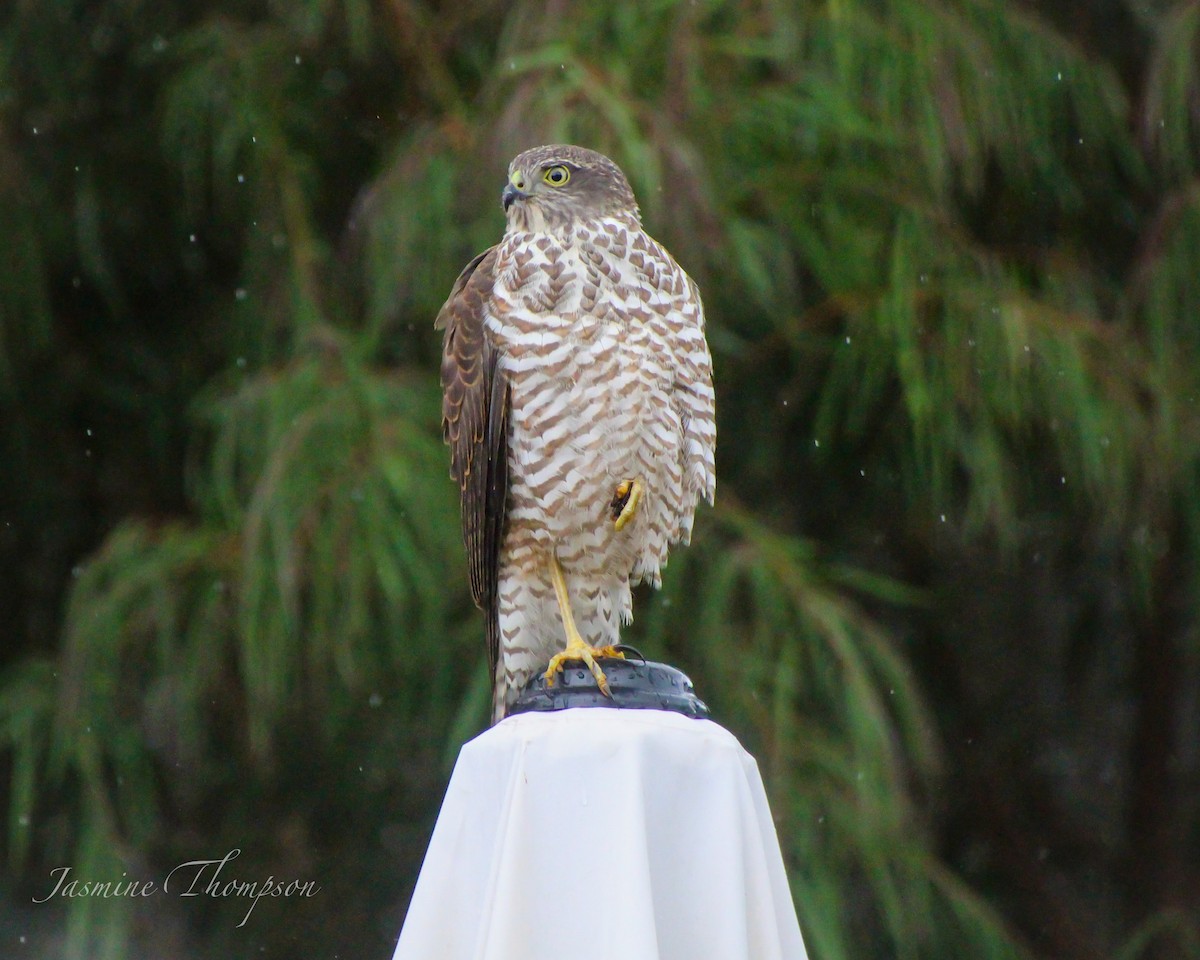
[{"x": 205, "y": 881}]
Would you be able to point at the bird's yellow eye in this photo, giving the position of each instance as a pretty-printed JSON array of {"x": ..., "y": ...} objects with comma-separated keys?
[{"x": 557, "y": 176}]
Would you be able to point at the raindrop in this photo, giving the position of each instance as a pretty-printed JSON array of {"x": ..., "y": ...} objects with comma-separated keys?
[
  {"x": 241, "y": 362},
  {"x": 862, "y": 473},
  {"x": 240, "y": 293},
  {"x": 1059, "y": 75},
  {"x": 924, "y": 278},
  {"x": 35, "y": 131},
  {"x": 159, "y": 44},
  {"x": 297, "y": 59},
  {"x": 23, "y": 820},
  {"x": 847, "y": 340},
  {"x": 191, "y": 238},
  {"x": 1062, "y": 479},
  {"x": 785, "y": 403},
  {"x": 88, "y": 431},
  {"x": 816, "y": 443},
  {"x": 76, "y": 282},
  {"x": 241, "y": 179},
  {"x": 375, "y": 700},
  {"x": 942, "y": 517}
]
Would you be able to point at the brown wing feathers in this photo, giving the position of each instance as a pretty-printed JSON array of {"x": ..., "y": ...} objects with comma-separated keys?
[{"x": 475, "y": 425}]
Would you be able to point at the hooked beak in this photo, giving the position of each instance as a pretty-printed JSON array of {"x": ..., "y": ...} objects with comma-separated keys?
[{"x": 510, "y": 194}]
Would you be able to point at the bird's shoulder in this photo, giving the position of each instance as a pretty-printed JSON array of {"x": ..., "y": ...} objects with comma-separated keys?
[{"x": 470, "y": 291}]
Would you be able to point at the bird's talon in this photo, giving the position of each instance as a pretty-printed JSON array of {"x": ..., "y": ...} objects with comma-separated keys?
[
  {"x": 610, "y": 651},
  {"x": 625, "y": 502},
  {"x": 582, "y": 652}
]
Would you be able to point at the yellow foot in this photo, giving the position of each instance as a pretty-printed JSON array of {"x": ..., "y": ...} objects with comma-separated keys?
[
  {"x": 625, "y": 502},
  {"x": 578, "y": 650}
]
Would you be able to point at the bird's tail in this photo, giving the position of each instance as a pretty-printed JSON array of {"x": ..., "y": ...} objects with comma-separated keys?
[{"x": 499, "y": 682}]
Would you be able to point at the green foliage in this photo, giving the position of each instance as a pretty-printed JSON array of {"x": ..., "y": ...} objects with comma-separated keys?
[{"x": 948, "y": 256}]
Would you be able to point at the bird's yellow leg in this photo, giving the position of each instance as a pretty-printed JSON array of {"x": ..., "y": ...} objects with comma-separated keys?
[
  {"x": 577, "y": 648},
  {"x": 625, "y": 502}
]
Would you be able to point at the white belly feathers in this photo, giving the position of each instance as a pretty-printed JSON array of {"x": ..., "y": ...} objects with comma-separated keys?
[{"x": 585, "y": 346}]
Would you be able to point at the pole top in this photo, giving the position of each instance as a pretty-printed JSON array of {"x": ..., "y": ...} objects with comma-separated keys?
[{"x": 635, "y": 684}]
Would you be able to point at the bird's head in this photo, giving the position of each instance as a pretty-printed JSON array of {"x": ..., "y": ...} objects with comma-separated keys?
[{"x": 553, "y": 187}]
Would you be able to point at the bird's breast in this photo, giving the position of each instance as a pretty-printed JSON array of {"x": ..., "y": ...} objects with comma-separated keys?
[{"x": 587, "y": 382}]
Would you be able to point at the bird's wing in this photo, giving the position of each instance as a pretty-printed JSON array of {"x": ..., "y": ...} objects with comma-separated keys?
[
  {"x": 694, "y": 389},
  {"x": 475, "y": 425}
]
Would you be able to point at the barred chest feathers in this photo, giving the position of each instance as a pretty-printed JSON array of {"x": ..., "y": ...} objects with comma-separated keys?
[{"x": 585, "y": 325}]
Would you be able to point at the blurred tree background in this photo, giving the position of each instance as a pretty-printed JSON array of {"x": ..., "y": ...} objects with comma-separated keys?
[{"x": 948, "y": 597}]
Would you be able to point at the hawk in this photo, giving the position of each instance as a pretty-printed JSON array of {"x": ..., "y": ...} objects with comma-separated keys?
[{"x": 578, "y": 406}]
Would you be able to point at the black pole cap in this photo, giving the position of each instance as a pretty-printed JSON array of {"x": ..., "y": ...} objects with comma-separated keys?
[{"x": 635, "y": 684}]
